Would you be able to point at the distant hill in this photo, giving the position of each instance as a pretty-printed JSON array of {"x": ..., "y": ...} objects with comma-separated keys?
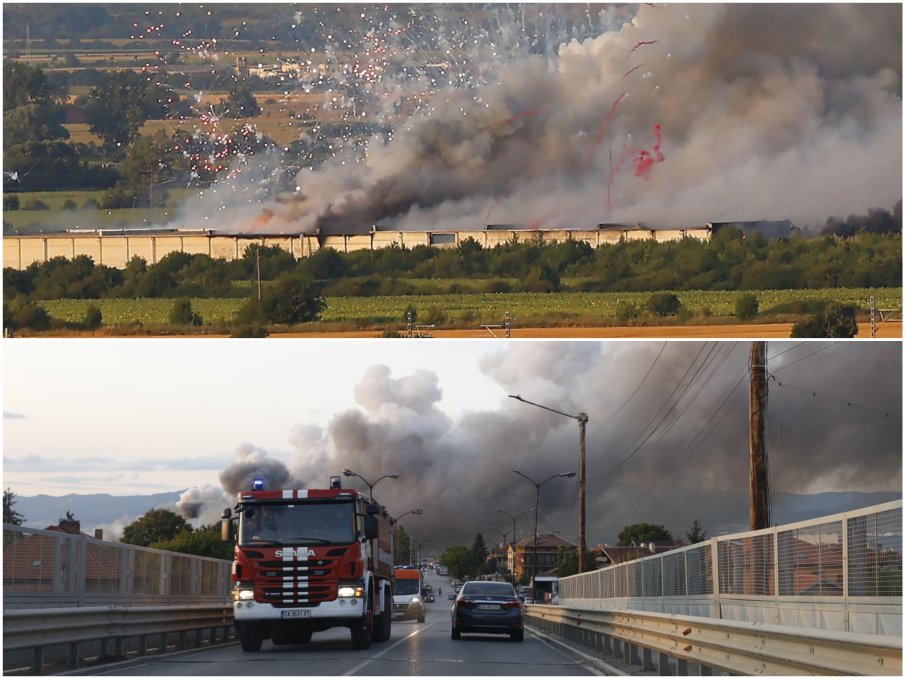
[{"x": 93, "y": 511}]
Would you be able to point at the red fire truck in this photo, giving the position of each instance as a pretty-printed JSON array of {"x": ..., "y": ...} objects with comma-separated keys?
[{"x": 308, "y": 560}]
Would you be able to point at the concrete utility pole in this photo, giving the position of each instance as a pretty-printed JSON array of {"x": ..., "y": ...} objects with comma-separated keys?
[{"x": 759, "y": 491}]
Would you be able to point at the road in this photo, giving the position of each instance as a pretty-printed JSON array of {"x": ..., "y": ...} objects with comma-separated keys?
[{"x": 413, "y": 649}]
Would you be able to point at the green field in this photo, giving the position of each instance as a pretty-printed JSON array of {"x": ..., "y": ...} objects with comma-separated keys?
[{"x": 578, "y": 308}]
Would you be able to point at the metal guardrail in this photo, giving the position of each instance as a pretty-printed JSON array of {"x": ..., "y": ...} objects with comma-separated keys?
[
  {"x": 53, "y": 569},
  {"x": 725, "y": 645},
  {"x": 842, "y": 572},
  {"x": 36, "y": 631}
]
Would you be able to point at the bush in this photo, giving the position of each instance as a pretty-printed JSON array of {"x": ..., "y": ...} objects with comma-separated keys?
[
  {"x": 35, "y": 204},
  {"x": 746, "y": 307},
  {"x": 496, "y": 286},
  {"x": 249, "y": 330},
  {"x": 390, "y": 334},
  {"x": 93, "y": 318},
  {"x": 11, "y": 202},
  {"x": 626, "y": 312},
  {"x": 183, "y": 314},
  {"x": 663, "y": 304},
  {"x": 23, "y": 313},
  {"x": 434, "y": 315},
  {"x": 837, "y": 321},
  {"x": 69, "y": 204}
]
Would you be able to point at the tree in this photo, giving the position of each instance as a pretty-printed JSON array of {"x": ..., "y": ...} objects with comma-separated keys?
[
  {"x": 145, "y": 168},
  {"x": 155, "y": 526},
  {"x": 746, "y": 306},
  {"x": 205, "y": 541},
  {"x": 459, "y": 560},
  {"x": 642, "y": 532},
  {"x": 836, "y": 321},
  {"x": 241, "y": 102},
  {"x": 567, "y": 561},
  {"x": 10, "y": 516},
  {"x": 663, "y": 304},
  {"x": 115, "y": 107},
  {"x": 24, "y": 84},
  {"x": 293, "y": 298},
  {"x": 695, "y": 533},
  {"x": 479, "y": 552},
  {"x": 93, "y": 317},
  {"x": 183, "y": 314}
]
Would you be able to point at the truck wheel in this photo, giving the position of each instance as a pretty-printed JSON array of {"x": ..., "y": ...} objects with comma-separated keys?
[
  {"x": 361, "y": 636},
  {"x": 383, "y": 622},
  {"x": 250, "y": 637}
]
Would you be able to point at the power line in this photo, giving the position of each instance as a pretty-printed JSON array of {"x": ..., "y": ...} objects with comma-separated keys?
[
  {"x": 640, "y": 384},
  {"x": 804, "y": 358},
  {"x": 839, "y": 401}
]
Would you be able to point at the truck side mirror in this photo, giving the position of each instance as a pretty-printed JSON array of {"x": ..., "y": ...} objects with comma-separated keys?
[
  {"x": 372, "y": 527},
  {"x": 227, "y": 534}
]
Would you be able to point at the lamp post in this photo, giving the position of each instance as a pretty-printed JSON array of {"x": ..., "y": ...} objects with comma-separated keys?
[
  {"x": 514, "y": 519},
  {"x": 393, "y": 475},
  {"x": 420, "y": 544},
  {"x": 414, "y": 512},
  {"x": 503, "y": 535},
  {"x": 537, "y": 485},
  {"x": 582, "y": 419}
]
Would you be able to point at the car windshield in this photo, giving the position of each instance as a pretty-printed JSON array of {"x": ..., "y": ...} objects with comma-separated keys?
[
  {"x": 488, "y": 589},
  {"x": 314, "y": 523},
  {"x": 407, "y": 586}
]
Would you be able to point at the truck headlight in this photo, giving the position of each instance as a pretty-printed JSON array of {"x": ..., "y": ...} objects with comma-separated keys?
[
  {"x": 246, "y": 594},
  {"x": 244, "y": 591},
  {"x": 356, "y": 591},
  {"x": 415, "y": 600}
]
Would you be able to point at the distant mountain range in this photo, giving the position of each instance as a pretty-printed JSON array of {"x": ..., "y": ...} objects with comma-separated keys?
[
  {"x": 93, "y": 511},
  {"x": 720, "y": 511}
]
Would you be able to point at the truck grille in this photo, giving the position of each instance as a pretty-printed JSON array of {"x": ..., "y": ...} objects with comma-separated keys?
[{"x": 296, "y": 583}]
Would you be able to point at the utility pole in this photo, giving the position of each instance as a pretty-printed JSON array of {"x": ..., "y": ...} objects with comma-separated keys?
[
  {"x": 759, "y": 491},
  {"x": 258, "y": 268},
  {"x": 582, "y": 421}
]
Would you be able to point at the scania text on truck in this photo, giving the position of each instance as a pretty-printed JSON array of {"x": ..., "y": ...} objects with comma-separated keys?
[
  {"x": 307, "y": 560},
  {"x": 408, "y": 603}
]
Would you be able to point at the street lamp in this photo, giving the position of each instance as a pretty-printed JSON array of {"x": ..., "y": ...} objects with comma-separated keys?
[
  {"x": 514, "y": 518},
  {"x": 582, "y": 419},
  {"x": 413, "y": 512},
  {"x": 349, "y": 472},
  {"x": 423, "y": 542},
  {"x": 496, "y": 562},
  {"x": 537, "y": 485}
]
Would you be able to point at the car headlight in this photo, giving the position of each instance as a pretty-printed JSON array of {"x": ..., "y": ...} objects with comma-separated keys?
[{"x": 356, "y": 591}]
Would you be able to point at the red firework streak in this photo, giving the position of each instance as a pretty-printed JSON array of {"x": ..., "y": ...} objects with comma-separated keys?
[
  {"x": 643, "y": 42},
  {"x": 645, "y": 160},
  {"x": 630, "y": 71}
]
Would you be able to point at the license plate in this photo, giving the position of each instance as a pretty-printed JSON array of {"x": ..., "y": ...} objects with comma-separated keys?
[
  {"x": 489, "y": 607},
  {"x": 296, "y": 614}
]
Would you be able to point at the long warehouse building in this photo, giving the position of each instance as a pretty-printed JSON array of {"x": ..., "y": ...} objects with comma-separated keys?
[{"x": 115, "y": 247}]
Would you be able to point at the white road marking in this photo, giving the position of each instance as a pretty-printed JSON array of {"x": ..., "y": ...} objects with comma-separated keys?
[{"x": 360, "y": 666}]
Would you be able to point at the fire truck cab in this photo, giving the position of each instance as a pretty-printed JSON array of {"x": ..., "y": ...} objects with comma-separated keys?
[{"x": 307, "y": 560}]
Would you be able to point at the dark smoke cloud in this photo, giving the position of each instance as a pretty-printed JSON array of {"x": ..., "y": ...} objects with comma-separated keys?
[
  {"x": 876, "y": 221},
  {"x": 459, "y": 470},
  {"x": 768, "y": 111}
]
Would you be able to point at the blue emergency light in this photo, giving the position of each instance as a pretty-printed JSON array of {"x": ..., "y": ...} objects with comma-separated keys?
[{"x": 257, "y": 484}]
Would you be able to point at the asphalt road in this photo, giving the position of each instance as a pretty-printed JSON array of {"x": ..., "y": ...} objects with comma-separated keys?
[{"x": 413, "y": 649}]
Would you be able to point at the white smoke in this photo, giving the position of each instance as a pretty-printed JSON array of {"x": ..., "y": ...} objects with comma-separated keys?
[
  {"x": 766, "y": 112},
  {"x": 459, "y": 470}
]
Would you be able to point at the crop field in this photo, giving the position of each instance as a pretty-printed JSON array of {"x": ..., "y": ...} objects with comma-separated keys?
[{"x": 541, "y": 309}]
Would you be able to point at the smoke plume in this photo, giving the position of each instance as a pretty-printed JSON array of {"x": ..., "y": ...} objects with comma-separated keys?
[
  {"x": 725, "y": 111},
  {"x": 667, "y": 438}
]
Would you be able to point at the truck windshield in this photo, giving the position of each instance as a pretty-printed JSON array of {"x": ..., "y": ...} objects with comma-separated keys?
[
  {"x": 408, "y": 586},
  {"x": 297, "y": 524}
]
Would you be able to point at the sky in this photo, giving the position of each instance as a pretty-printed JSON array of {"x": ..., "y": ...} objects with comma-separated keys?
[{"x": 667, "y": 431}]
